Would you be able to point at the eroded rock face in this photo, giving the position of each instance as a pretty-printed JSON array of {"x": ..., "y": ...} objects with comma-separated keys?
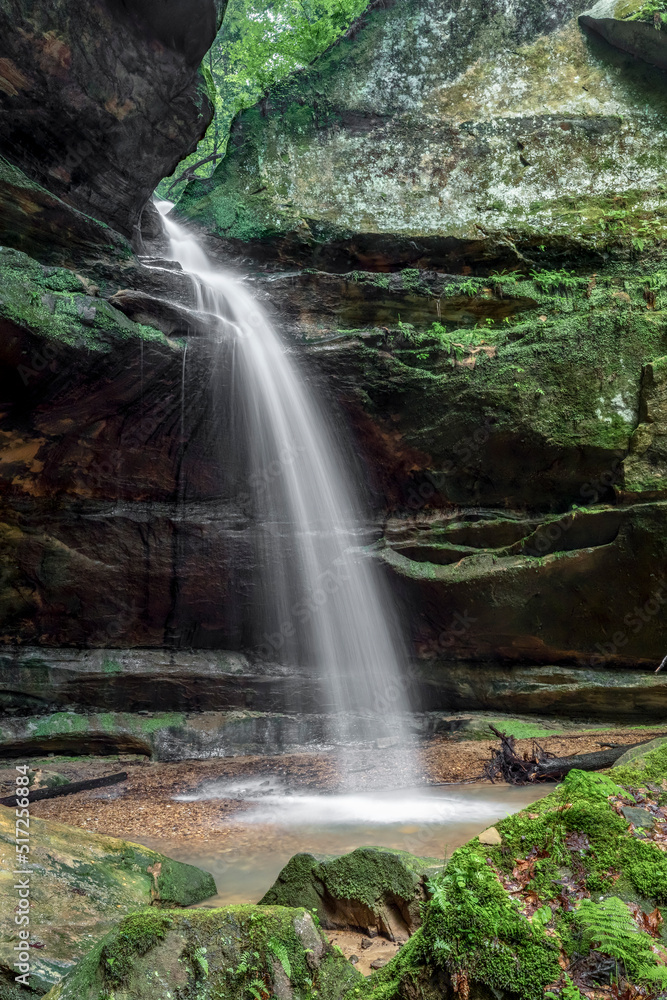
[
  {"x": 534, "y": 599},
  {"x": 486, "y": 408},
  {"x": 83, "y": 885},
  {"x": 101, "y": 100}
]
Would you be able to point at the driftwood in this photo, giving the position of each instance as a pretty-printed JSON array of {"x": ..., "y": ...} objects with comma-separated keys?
[
  {"x": 507, "y": 765},
  {"x": 68, "y": 789}
]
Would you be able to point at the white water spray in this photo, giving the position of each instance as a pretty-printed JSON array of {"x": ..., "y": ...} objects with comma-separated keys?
[{"x": 320, "y": 597}]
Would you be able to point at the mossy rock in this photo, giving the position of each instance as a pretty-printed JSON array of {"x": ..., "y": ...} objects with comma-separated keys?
[
  {"x": 373, "y": 889},
  {"x": 643, "y": 757},
  {"x": 235, "y": 952},
  {"x": 400, "y": 147},
  {"x": 62, "y": 308},
  {"x": 567, "y": 866},
  {"x": 83, "y": 885}
]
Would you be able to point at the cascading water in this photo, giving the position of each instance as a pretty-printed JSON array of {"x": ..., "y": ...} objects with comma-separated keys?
[{"x": 320, "y": 597}]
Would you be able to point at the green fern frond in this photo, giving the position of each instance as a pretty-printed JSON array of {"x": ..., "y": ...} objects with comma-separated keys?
[
  {"x": 609, "y": 927},
  {"x": 280, "y": 951}
]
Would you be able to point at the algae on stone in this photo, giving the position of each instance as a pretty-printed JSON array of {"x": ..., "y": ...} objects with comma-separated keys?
[{"x": 83, "y": 885}]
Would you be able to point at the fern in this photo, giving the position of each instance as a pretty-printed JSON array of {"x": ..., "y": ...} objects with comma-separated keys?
[
  {"x": 201, "y": 961},
  {"x": 244, "y": 964},
  {"x": 609, "y": 927},
  {"x": 280, "y": 951},
  {"x": 257, "y": 989},
  {"x": 554, "y": 281},
  {"x": 569, "y": 992}
]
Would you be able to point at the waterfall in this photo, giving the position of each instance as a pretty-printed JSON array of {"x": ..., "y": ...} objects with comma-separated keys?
[{"x": 320, "y": 596}]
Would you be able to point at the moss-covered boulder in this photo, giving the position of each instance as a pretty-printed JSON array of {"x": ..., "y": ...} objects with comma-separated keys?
[
  {"x": 82, "y": 885},
  {"x": 372, "y": 889},
  {"x": 572, "y": 898},
  {"x": 441, "y": 134},
  {"x": 237, "y": 952}
]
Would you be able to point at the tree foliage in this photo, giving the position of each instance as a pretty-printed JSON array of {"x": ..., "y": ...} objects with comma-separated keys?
[{"x": 260, "y": 42}]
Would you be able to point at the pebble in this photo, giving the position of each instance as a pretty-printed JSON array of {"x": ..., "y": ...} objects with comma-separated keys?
[
  {"x": 491, "y": 837},
  {"x": 379, "y": 963}
]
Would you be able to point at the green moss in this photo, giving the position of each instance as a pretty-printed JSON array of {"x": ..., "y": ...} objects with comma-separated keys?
[
  {"x": 52, "y": 304},
  {"x": 469, "y": 909},
  {"x": 651, "y": 766},
  {"x": 366, "y": 875},
  {"x": 183, "y": 884},
  {"x": 371, "y": 876},
  {"x": 646, "y": 11},
  {"x": 135, "y": 936},
  {"x": 60, "y": 722},
  {"x": 163, "y": 720}
]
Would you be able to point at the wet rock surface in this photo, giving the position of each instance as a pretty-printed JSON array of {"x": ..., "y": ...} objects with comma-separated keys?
[{"x": 511, "y": 425}]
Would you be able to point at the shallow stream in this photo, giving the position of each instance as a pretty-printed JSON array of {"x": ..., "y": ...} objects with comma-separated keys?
[{"x": 272, "y": 825}]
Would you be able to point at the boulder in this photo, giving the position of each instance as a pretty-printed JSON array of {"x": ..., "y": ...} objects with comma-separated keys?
[
  {"x": 444, "y": 135},
  {"x": 100, "y": 100},
  {"x": 232, "y": 952},
  {"x": 633, "y": 26},
  {"x": 375, "y": 890},
  {"x": 82, "y": 885},
  {"x": 641, "y": 757}
]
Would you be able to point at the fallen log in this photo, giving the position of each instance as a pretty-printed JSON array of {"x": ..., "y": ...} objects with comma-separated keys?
[
  {"x": 68, "y": 789},
  {"x": 543, "y": 765}
]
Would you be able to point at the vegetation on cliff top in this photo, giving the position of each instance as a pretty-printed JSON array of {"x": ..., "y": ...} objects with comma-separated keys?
[{"x": 256, "y": 47}]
